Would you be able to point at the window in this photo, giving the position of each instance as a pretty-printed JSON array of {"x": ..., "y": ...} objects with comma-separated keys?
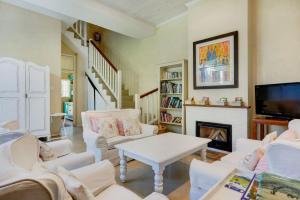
[{"x": 65, "y": 88}]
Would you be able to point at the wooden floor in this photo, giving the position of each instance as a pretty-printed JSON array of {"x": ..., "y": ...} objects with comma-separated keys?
[{"x": 140, "y": 176}]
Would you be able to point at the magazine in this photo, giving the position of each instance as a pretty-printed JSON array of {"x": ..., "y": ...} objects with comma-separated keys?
[
  {"x": 251, "y": 191},
  {"x": 239, "y": 182}
]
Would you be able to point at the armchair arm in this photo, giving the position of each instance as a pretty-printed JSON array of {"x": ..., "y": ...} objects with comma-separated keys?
[
  {"x": 146, "y": 128},
  {"x": 247, "y": 145},
  {"x": 156, "y": 196},
  {"x": 61, "y": 147},
  {"x": 96, "y": 177},
  {"x": 204, "y": 175},
  {"x": 94, "y": 139}
]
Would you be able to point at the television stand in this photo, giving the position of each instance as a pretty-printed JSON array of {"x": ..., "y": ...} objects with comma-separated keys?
[
  {"x": 279, "y": 118},
  {"x": 262, "y": 122}
]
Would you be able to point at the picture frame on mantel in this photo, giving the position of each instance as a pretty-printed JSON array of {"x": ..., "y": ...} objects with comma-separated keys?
[{"x": 216, "y": 62}]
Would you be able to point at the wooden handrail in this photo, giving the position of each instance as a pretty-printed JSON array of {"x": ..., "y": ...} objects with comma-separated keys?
[
  {"x": 103, "y": 55},
  {"x": 148, "y": 93}
]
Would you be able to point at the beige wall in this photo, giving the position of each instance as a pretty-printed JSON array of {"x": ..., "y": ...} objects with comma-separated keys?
[
  {"x": 209, "y": 18},
  {"x": 169, "y": 43},
  {"x": 32, "y": 37},
  {"x": 275, "y": 43},
  {"x": 276, "y": 35}
]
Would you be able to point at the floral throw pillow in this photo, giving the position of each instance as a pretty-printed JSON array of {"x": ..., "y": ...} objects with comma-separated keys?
[
  {"x": 131, "y": 127},
  {"x": 107, "y": 127}
]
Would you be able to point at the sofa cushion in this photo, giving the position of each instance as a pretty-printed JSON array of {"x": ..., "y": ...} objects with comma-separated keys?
[
  {"x": 76, "y": 189},
  {"x": 94, "y": 120},
  {"x": 25, "y": 158},
  {"x": 117, "y": 192},
  {"x": 72, "y": 161},
  {"x": 235, "y": 159},
  {"x": 111, "y": 142},
  {"x": 107, "y": 127},
  {"x": 94, "y": 116},
  {"x": 131, "y": 126}
]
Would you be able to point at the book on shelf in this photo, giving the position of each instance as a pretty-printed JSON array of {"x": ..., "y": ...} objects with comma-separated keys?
[
  {"x": 172, "y": 75},
  {"x": 168, "y": 118},
  {"x": 169, "y": 87},
  {"x": 171, "y": 102}
]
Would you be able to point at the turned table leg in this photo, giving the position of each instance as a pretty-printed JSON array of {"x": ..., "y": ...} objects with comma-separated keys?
[
  {"x": 158, "y": 178},
  {"x": 203, "y": 154},
  {"x": 123, "y": 166}
]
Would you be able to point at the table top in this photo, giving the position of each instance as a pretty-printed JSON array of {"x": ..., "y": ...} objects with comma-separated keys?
[{"x": 164, "y": 147}]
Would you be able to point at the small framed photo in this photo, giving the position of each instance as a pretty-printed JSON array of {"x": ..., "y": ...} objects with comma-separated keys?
[{"x": 216, "y": 62}]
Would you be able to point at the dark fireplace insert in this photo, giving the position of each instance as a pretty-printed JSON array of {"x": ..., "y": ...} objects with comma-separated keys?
[{"x": 220, "y": 134}]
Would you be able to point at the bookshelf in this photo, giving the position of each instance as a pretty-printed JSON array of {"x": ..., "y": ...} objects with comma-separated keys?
[{"x": 173, "y": 92}]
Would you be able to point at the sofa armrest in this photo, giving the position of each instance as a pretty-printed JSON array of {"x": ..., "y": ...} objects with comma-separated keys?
[
  {"x": 156, "y": 196},
  {"x": 247, "y": 145},
  {"x": 146, "y": 128},
  {"x": 97, "y": 177},
  {"x": 61, "y": 147},
  {"x": 205, "y": 175},
  {"x": 94, "y": 139}
]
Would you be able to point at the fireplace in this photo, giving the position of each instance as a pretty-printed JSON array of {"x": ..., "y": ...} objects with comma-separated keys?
[{"x": 220, "y": 134}]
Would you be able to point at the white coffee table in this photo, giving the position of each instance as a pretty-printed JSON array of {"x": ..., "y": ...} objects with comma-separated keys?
[{"x": 160, "y": 151}]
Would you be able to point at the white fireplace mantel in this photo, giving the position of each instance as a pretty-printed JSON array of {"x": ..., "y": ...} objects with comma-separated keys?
[{"x": 237, "y": 117}]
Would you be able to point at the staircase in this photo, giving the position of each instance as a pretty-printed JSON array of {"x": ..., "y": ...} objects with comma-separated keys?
[
  {"x": 106, "y": 77},
  {"x": 106, "y": 80}
]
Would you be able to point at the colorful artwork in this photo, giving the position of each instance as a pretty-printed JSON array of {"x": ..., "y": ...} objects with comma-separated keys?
[{"x": 215, "y": 62}]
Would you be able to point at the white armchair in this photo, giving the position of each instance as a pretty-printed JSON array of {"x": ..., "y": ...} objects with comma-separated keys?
[
  {"x": 281, "y": 156},
  {"x": 23, "y": 153},
  {"x": 103, "y": 148},
  {"x": 203, "y": 175},
  {"x": 66, "y": 157},
  {"x": 100, "y": 180}
]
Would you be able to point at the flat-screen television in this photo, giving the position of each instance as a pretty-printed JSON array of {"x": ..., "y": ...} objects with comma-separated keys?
[{"x": 278, "y": 100}]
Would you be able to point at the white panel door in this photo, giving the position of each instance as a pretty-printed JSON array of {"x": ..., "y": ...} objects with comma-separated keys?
[
  {"x": 12, "y": 91},
  {"x": 37, "y": 102}
]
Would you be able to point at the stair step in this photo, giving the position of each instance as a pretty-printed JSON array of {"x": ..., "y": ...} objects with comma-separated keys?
[
  {"x": 127, "y": 98},
  {"x": 127, "y": 105},
  {"x": 125, "y": 92}
]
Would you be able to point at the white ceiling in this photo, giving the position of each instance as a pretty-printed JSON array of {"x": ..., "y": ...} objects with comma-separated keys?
[{"x": 152, "y": 11}]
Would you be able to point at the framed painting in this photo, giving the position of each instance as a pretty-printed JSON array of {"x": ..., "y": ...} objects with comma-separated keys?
[{"x": 216, "y": 62}]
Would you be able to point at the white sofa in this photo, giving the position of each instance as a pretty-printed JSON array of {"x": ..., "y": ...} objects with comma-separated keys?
[
  {"x": 103, "y": 148},
  {"x": 25, "y": 151},
  {"x": 99, "y": 177},
  {"x": 203, "y": 175},
  {"x": 66, "y": 158}
]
